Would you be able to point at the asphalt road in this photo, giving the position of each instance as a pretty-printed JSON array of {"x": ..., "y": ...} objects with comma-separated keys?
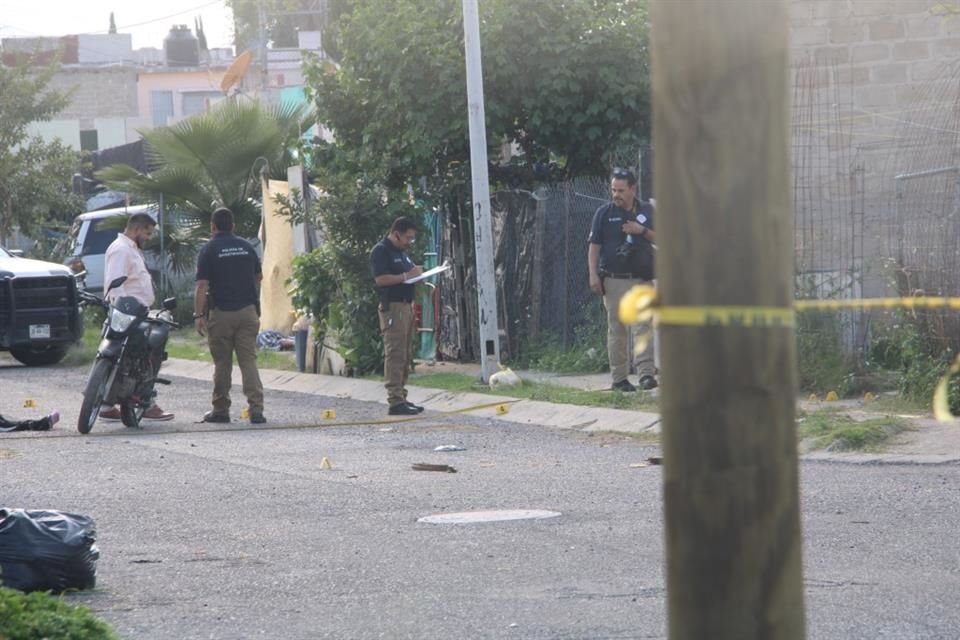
[{"x": 239, "y": 533}]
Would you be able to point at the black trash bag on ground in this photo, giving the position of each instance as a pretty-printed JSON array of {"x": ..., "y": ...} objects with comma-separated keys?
[{"x": 47, "y": 550}]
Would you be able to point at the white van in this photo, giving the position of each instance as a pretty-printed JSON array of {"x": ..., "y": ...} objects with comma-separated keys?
[{"x": 90, "y": 239}]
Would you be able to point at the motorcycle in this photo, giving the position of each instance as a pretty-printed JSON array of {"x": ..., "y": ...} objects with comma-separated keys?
[{"x": 132, "y": 346}]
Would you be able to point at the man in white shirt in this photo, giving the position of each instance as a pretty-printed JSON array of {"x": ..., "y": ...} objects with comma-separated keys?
[{"x": 124, "y": 257}]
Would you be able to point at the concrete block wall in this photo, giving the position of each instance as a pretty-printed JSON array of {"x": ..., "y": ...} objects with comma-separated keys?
[
  {"x": 885, "y": 48},
  {"x": 98, "y": 91},
  {"x": 879, "y": 58},
  {"x": 102, "y": 97}
]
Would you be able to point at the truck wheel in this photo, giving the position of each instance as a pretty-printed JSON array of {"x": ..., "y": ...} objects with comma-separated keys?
[
  {"x": 93, "y": 395},
  {"x": 39, "y": 356}
]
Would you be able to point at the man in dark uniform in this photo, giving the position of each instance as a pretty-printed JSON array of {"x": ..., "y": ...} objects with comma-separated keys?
[
  {"x": 392, "y": 268},
  {"x": 620, "y": 255},
  {"x": 227, "y": 308}
]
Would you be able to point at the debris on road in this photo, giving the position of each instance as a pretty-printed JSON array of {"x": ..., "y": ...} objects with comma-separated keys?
[
  {"x": 423, "y": 466},
  {"x": 449, "y": 447}
]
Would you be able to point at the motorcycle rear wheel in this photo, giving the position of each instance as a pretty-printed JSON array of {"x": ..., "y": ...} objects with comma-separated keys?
[{"x": 94, "y": 394}]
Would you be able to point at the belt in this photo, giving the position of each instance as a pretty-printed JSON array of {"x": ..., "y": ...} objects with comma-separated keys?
[{"x": 619, "y": 276}]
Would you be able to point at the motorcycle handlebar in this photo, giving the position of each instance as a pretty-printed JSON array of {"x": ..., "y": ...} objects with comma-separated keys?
[
  {"x": 89, "y": 298},
  {"x": 173, "y": 324}
]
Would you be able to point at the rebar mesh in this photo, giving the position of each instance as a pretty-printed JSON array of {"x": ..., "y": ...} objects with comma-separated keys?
[
  {"x": 922, "y": 239},
  {"x": 828, "y": 199}
]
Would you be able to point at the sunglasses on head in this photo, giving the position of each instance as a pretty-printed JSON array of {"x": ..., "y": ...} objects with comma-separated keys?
[{"x": 623, "y": 174}]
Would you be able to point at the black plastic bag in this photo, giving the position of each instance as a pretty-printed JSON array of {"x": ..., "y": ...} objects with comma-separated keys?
[{"x": 47, "y": 550}]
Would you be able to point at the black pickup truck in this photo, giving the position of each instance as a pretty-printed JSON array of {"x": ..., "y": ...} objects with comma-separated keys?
[{"x": 39, "y": 310}]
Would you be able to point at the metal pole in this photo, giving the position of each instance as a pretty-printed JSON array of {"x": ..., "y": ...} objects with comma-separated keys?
[
  {"x": 262, "y": 41},
  {"x": 163, "y": 255},
  {"x": 483, "y": 227}
]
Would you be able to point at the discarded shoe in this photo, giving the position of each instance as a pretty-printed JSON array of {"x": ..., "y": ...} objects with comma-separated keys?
[
  {"x": 403, "y": 409},
  {"x": 157, "y": 414},
  {"x": 647, "y": 383},
  {"x": 113, "y": 414},
  {"x": 623, "y": 385},
  {"x": 210, "y": 416}
]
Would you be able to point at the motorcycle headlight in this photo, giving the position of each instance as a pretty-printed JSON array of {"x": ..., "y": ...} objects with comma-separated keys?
[{"x": 120, "y": 321}]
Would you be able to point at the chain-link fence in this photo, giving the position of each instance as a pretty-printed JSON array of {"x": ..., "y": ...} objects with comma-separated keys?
[
  {"x": 541, "y": 257},
  {"x": 828, "y": 208},
  {"x": 921, "y": 243}
]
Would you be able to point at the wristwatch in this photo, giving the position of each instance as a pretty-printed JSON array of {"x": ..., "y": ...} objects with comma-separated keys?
[{"x": 197, "y": 316}]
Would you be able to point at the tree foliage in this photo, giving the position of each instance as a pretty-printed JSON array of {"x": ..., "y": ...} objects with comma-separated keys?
[
  {"x": 565, "y": 80},
  {"x": 214, "y": 159},
  {"x": 568, "y": 81},
  {"x": 35, "y": 176},
  {"x": 280, "y": 30}
]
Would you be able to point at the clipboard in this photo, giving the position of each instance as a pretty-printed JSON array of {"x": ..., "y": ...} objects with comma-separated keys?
[{"x": 429, "y": 273}]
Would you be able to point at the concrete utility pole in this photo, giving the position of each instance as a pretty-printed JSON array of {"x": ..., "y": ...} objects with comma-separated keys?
[
  {"x": 482, "y": 225},
  {"x": 724, "y": 231}
]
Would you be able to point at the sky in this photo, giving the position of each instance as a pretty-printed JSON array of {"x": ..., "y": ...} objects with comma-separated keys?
[{"x": 148, "y": 22}]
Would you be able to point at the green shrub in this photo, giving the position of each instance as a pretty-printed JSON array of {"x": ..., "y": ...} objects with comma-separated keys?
[
  {"x": 822, "y": 363},
  {"x": 588, "y": 354},
  {"x": 38, "y": 616},
  {"x": 333, "y": 284},
  {"x": 918, "y": 357}
]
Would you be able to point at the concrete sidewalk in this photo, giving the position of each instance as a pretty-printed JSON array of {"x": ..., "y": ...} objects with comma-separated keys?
[
  {"x": 924, "y": 442},
  {"x": 563, "y": 416}
]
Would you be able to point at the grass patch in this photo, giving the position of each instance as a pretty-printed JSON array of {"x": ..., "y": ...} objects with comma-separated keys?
[
  {"x": 39, "y": 615},
  {"x": 84, "y": 351},
  {"x": 897, "y": 404},
  {"x": 839, "y": 432},
  {"x": 184, "y": 343},
  {"x": 192, "y": 346},
  {"x": 543, "y": 391}
]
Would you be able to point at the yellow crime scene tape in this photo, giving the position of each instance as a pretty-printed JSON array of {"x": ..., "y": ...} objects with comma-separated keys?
[{"x": 641, "y": 304}]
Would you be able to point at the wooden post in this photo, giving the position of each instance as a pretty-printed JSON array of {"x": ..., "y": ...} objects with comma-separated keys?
[{"x": 724, "y": 231}]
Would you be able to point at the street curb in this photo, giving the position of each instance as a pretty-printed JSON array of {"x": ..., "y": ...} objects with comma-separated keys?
[
  {"x": 518, "y": 411},
  {"x": 883, "y": 458},
  {"x": 561, "y": 416}
]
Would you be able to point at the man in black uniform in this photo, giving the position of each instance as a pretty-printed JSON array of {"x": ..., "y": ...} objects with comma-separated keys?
[
  {"x": 620, "y": 255},
  {"x": 227, "y": 308},
  {"x": 392, "y": 268}
]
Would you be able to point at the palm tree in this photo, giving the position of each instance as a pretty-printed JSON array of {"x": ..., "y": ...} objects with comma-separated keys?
[{"x": 211, "y": 160}]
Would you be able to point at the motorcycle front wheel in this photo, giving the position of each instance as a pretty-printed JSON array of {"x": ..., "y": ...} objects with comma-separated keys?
[
  {"x": 93, "y": 395},
  {"x": 130, "y": 414}
]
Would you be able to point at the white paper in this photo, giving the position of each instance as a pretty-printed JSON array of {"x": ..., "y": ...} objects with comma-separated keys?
[{"x": 427, "y": 274}]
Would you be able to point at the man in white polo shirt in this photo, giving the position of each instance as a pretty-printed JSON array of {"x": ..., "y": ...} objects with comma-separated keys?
[{"x": 124, "y": 257}]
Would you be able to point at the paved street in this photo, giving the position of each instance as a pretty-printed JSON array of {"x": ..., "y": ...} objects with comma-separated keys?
[{"x": 235, "y": 532}]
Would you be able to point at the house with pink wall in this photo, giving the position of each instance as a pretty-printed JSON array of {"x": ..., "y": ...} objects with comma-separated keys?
[{"x": 166, "y": 95}]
